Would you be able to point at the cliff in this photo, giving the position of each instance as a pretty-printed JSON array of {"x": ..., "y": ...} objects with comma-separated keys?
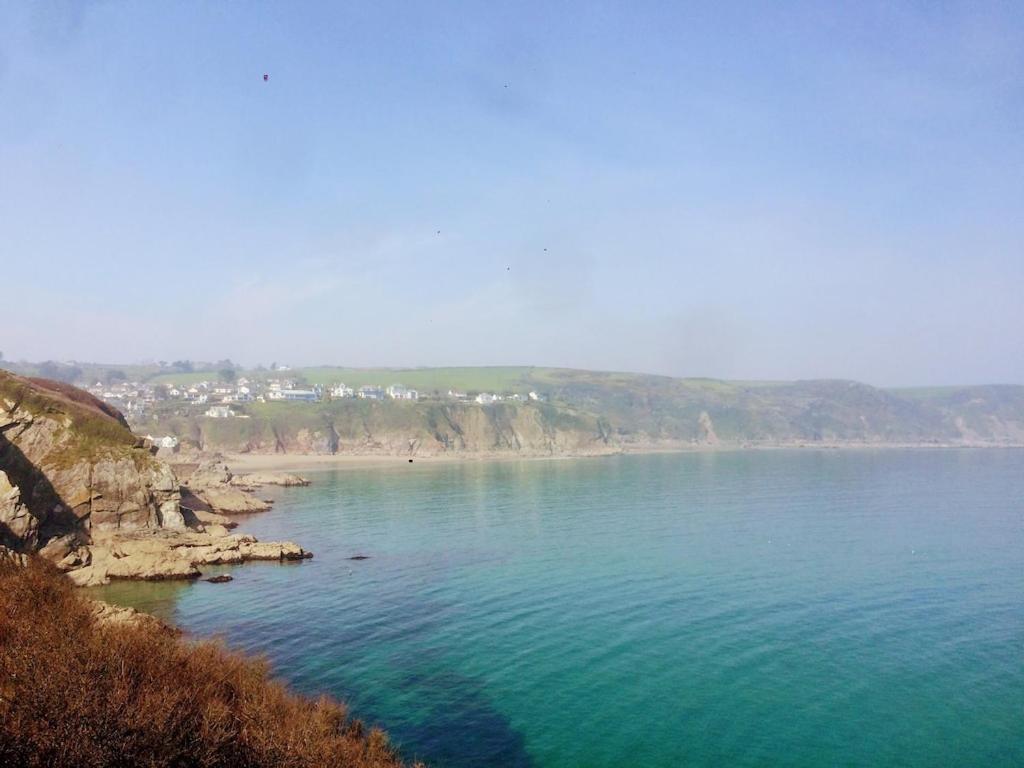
[
  {"x": 79, "y": 488},
  {"x": 595, "y": 413}
]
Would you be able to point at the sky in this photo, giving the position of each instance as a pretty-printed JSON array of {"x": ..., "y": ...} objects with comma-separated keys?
[{"x": 750, "y": 190}]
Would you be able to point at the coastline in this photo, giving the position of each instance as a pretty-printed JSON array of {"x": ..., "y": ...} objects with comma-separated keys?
[{"x": 296, "y": 462}]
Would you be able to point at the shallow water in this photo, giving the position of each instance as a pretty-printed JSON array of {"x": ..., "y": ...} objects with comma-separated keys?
[{"x": 795, "y": 608}]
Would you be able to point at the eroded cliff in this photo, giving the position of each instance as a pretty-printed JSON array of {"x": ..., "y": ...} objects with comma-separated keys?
[{"x": 80, "y": 489}]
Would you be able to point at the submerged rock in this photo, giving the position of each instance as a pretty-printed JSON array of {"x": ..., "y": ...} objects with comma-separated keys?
[{"x": 221, "y": 579}]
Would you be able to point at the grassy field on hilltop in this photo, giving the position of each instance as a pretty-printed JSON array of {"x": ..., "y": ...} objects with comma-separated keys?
[
  {"x": 483, "y": 379},
  {"x": 489, "y": 379}
]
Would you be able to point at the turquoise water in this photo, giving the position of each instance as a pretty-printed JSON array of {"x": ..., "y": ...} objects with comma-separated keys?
[{"x": 783, "y": 608}]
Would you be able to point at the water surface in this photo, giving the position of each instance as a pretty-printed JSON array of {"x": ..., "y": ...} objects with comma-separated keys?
[{"x": 793, "y": 608}]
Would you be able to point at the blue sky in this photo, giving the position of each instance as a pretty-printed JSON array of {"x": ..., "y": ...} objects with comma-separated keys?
[{"x": 777, "y": 190}]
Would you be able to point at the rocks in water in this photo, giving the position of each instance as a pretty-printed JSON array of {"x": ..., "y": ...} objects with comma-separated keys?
[
  {"x": 359, "y": 557},
  {"x": 272, "y": 550},
  {"x": 157, "y": 555},
  {"x": 225, "y": 500},
  {"x": 211, "y": 488},
  {"x": 256, "y": 479},
  {"x": 221, "y": 579}
]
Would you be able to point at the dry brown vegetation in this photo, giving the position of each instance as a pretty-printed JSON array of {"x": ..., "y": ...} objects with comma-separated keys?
[{"x": 74, "y": 692}]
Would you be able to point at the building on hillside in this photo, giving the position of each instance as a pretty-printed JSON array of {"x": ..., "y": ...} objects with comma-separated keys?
[
  {"x": 456, "y": 395},
  {"x": 219, "y": 412},
  {"x": 398, "y": 392},
  {"x": 370, "y": 392},
  {"x": 339, "y": 391},
  {"x": 293, "y": 395},
  {"x": 486, "y": 398}
]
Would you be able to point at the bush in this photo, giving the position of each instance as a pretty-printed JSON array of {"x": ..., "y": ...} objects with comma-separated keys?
[{"x": 74, "y": 692}]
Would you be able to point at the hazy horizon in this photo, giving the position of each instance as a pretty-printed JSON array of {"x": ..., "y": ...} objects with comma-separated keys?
[{"x": 744, "y": 192}]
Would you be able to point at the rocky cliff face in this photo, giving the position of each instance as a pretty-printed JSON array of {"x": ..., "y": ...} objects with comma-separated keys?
[
  {"x": 389, "y": 428},
  {"x": 79, "y": 488},
  {"x": 69, "y": 465}
]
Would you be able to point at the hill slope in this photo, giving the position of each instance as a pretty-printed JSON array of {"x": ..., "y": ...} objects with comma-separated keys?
[{"x": 590, "y": 412}]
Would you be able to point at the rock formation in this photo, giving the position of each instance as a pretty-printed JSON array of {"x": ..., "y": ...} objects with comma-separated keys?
[{"x": 80, "y": 489}]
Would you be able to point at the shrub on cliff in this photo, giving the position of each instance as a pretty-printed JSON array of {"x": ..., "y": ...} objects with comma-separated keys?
[{"x": 76, "y": 692}]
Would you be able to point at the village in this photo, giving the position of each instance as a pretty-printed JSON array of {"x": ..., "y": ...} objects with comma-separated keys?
[{"x": 222, "y": 398}]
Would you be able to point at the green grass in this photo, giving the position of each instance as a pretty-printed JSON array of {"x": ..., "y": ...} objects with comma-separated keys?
[{"x": 479, "y": 379}]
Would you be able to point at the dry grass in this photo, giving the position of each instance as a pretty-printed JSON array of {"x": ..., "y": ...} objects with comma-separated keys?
[{"x": 75, "y": 693}]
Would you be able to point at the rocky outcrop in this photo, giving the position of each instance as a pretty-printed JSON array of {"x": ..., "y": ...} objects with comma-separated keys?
[
  {"x": 71, "y": 466},
  {"x": 80, "y": 489},
  {"x": 257, "y": 479},
  {"x": 158, "y": 555},
  {"x": 212, "y": 488},
  {"x": 122, "y": 616}
]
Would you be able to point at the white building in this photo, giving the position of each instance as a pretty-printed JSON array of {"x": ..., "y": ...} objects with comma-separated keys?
[
  {"x": 219, "y": 412},
  {"x": 370, "y": 392},
  {"x": 486, "y": 398},
  {"x": 293, "y": 395},
  {"x": 340, "y": 390},
  {"x": 398, "y": 392},
  {"x": 163, "y": 442}
]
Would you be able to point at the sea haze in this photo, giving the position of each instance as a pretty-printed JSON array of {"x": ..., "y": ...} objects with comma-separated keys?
[{"x": 797, "y": 608}]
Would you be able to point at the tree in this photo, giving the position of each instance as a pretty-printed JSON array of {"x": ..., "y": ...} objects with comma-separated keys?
[
  {"x": 185, "y": 366},
  {"x": 227, "y": 375},
  {"x": 160, "y": 391},
  {"x": 114, "y": 376},
  {"x": 59, "y": 372}
]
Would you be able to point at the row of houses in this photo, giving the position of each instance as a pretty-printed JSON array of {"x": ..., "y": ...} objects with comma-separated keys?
[
  {"x": 374, "y": 392},
  {"x": 486, "y": 398},
  {"x": 135, "y": 398}
]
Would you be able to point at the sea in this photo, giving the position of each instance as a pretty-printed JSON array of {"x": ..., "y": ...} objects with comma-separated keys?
[{"x": 747, "y": 608}]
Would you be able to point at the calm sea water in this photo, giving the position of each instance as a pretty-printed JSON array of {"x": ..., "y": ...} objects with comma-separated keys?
[{"x": 759, "y": 608}]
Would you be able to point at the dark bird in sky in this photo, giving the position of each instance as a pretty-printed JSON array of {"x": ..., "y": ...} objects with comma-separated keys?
[{"x": 265, "y": 77}]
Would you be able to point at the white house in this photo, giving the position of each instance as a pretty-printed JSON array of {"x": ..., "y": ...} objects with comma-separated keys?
[
  {"x": 486, "y": 398},
  {"x": 219, "y": 412},
  {"x": 340, "y": 390}
]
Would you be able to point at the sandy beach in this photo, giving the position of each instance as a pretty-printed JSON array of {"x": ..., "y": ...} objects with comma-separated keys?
[{"x": 298, "y": 462}]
